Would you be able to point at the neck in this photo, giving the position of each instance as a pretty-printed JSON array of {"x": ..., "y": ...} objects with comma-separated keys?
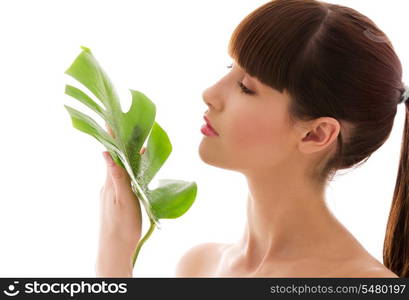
[{"x": 287, "y": 218}]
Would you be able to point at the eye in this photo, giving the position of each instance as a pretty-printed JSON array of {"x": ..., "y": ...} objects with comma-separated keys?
[{"x": 244, "y": 89}]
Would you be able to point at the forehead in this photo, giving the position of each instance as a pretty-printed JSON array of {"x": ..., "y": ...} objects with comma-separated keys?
[{"x": 241, "y": 70}]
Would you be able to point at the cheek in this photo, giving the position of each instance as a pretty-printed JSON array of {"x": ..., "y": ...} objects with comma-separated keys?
[
  {"x": 261, "y": 137},
  {"x": 250, "y": 130}
]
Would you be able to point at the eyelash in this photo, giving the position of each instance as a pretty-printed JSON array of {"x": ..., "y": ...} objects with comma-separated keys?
[{"x": 243, "y": 88}]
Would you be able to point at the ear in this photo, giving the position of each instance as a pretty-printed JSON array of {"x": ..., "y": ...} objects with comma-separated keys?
[{"x": 321, "y": 134}]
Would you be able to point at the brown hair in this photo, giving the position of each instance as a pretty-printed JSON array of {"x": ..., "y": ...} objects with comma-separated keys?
[{"x": 334, "y": 62}]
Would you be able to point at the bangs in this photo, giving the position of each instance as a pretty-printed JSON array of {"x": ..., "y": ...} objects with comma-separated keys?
[{"x": 271, "y": 43}]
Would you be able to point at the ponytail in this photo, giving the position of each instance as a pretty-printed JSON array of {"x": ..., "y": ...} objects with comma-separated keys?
[{"x": 396, "y": 244}]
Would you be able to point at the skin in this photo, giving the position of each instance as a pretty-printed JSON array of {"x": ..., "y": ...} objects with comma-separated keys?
[
  {"x": 289, "y": 227},
  {"x": 120, "y": 222},
  {"x": 290, "y": 232}
]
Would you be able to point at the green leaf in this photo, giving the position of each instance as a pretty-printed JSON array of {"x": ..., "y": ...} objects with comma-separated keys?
[
  {"x": 84, "y": 98},
  {"x": 88, "y": 125},
  {"x": 131, "y": 129},
  {"x": 157, "y": 152},
  {"x": 135, "y": 126},
  {"x": 172, "y": 198},
  {"x": 86, "y": 70}
]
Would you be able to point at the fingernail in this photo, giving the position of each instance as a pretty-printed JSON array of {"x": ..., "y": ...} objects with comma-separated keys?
[{"x": 108, "y": 158}]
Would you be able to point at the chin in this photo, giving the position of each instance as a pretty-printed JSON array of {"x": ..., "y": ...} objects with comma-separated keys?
[
  {"x": 208, "y": 153},
  {"x": 213, "y": 156}
]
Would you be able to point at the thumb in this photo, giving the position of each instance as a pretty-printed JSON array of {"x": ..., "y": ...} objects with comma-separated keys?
[{"x": 119, "y": 176}]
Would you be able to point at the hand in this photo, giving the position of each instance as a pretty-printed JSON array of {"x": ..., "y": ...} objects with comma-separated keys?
[{"x": 120, "y": 221}]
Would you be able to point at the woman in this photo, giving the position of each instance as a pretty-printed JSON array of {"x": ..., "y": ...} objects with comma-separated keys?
[{"x": 313, "y": 89}]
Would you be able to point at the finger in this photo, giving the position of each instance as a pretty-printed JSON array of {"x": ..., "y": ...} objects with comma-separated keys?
[
  {"x": 108, "y": 159},
  {"x": 118, "y": 176},
  {"x": 108, "y": 180},
  {"x": 110, "y": 132}
]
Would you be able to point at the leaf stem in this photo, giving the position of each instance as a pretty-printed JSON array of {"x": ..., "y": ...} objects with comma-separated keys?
[{"x": 142, "y": 241}]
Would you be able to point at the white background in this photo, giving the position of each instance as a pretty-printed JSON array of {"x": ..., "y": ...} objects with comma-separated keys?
[{"x": 51, "y": 173}]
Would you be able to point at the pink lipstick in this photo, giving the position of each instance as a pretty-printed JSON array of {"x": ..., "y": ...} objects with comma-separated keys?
[{"x": 207, "y": 129}]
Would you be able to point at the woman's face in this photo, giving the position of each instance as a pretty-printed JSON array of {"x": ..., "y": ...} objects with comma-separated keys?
[{"x": 254, "y": 131}]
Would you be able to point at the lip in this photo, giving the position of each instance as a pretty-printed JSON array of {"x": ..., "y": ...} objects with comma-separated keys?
[{"x": 210, "y": 125}]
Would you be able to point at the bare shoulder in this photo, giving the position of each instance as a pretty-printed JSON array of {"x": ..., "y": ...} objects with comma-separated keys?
[
  {"x": 375, "y": 271},
  {"x": 198, "y": 261},
  {"x": 356, "y": 261},
  {"x": 368, "y": 267}
]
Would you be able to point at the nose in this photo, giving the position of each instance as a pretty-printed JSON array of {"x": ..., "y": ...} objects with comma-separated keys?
[
  {"x": 210, "y": 97},
  {"x": 205, "y": 98}
]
